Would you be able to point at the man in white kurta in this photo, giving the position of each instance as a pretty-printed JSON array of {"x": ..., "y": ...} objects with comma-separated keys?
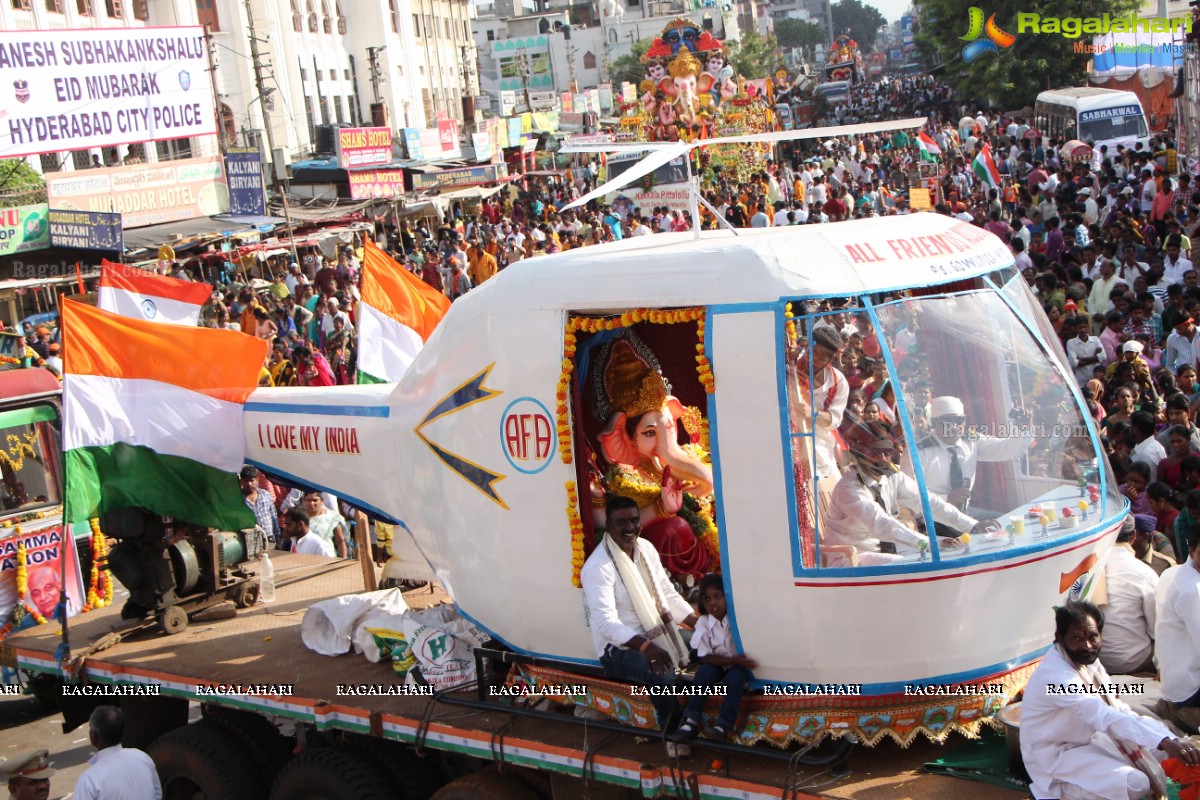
[
  {"x": 1070, "y": 712},
  {"x": 1129, "y": 609},
  {"x": 1178, "y": 634},
  {"x": 628, "y": 648}
]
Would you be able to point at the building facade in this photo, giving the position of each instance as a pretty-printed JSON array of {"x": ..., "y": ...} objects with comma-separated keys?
[{"x": 397, "y": 63}]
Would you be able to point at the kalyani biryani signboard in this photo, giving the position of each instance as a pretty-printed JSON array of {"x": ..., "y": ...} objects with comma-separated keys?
[{"x": 75, "y": 89}]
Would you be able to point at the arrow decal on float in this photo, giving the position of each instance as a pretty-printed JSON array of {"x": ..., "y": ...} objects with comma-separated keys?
[{"x": 466, "y": 394}]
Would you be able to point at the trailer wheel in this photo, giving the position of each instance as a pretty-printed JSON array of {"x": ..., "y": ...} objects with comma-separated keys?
[
  {"x": 202, "y": 762},
  {"x": 412, "y": 777},
  {"x": 331, "y": 773},
  {"x": 46, "y": 688},
  {"x": 174, "y": 620},
  {"x": 485, "y": 786},
  {"x": 256, "y": 736},
  {"x": 246, "y": 594}
]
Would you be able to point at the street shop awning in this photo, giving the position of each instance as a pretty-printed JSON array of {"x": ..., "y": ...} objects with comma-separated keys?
[
  {"x": 472, "y": 193},
  {"x": 184, "y": 234},
  {"x": 34, "y": 283}
]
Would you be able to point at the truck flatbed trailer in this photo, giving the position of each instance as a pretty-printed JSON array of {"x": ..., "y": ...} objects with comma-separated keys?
[{"x": 261, "y": 649}]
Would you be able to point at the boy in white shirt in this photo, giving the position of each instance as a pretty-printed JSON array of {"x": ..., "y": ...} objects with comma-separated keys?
[{"x": 719, "y": 663}]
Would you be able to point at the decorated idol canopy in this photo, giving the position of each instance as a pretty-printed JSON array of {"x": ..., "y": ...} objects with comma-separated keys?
[
  {"x": 689, "y": 91},
  {"x": 573, "y": 377}
]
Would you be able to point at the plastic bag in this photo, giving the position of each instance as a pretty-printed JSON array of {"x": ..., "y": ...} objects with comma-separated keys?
[
  {"x": 328, "y": 627},
  {"x": 442, "y": 642},
  {"x": 381, "y": 638}
]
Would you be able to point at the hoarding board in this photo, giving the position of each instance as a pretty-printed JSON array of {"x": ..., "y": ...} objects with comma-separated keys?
[
  {"x": 75, "y": 89},
  {"x": 243, "y": 167},
  {"x": 376, "y": 184},
  {"x": 23, "y": 228},
  {"x": 86, "y": 230},
  {"x": 363, "y": 147},
  {"x": 145, "y": 194}
]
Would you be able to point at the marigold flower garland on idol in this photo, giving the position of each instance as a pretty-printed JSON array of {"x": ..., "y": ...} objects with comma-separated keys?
[{"x": 693, "y": 421}]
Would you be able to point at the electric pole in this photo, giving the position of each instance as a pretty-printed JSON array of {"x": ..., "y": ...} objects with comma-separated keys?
[
  {"x": 524, "y": 65},
  {"x": 260, "y": 84},
  {"x": 373, "y": 61},
  {"x": 212, "y": 76}
]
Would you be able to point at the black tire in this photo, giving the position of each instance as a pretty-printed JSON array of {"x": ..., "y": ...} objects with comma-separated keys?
[
  {"x": 332, "y": 773},
  {"x": 486, "y": 786},
  {"x": 267, "y": 748},
  {"x": 201, "y": 760},
  {"x": 46, "y": 688},
  {"x": 411, "y": 777}
]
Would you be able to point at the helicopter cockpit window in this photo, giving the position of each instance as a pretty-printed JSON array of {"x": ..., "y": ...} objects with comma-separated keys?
[
  {"x": 933, "y": 428},
  {"x": 1005, "y": 441},
  {"x": 848, "y": 512}
]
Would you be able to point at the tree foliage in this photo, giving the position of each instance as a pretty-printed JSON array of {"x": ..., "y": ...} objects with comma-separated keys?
[
  {"x": 798, "y": 33},
  {"x": 754, "y": 56},
  {"x": 1011, "y": 78},
  {"x": 862, "y": 21},
  {"x": 628, "y": 67},
  {"x": 20, "y": 184}
]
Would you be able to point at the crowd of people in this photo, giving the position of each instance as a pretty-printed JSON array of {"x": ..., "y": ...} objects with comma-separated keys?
[{"x": 1104, "y": 246}]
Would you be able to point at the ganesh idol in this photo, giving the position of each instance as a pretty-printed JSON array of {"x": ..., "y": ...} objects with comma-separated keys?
[{"x": 671, "y": 483}]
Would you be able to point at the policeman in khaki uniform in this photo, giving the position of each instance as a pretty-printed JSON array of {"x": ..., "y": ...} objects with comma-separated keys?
[{"x": 28, "y": 773}]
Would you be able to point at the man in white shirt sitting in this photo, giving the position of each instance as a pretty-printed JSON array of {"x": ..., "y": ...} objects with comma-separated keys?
[
  {"x": 304, "y": 541},
  {"x": 1177, "y": 633},
  {"x": 633, "y": 610},
  {"x": 1129, "y": 606},
  {"x": 1070, "y": 717}
]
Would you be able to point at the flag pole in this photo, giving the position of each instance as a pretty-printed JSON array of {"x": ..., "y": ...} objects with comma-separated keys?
[{"x": 68, "y": 540}]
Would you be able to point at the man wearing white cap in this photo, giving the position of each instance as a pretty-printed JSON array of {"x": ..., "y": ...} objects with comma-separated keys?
[
  {"x": 1091, "y": 212},
  {"x": 948, "y": 456},
  {"x": 28, "y": 774}
]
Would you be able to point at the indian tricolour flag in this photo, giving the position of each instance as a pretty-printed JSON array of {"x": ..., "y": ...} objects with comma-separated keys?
[
  {"x": 985, "y": 168},
  {"x": 140, "y": 294},
  {"x": 397, "y": 314},
  {"x": 153, "y": 417},
  {"x": 929, "y": 148}
]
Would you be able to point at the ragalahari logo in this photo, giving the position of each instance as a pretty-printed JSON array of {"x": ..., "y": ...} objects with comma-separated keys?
[{"x": 994, "y": 40}]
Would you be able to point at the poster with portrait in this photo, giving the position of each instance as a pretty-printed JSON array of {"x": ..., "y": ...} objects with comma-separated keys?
[{"x": 44, "y": 550}]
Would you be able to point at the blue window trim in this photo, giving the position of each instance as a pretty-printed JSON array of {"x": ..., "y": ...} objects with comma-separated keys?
[
  {"x": 935, "y": 563},
  {"x": 1072, "y": 386}
]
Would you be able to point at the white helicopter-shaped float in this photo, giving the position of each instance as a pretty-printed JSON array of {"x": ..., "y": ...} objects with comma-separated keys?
[{"x": 522, "y": 410}]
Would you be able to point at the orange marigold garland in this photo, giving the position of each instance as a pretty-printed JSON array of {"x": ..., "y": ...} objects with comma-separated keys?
[
  {"x": 577, "y": 551},
  {"x": 791, "y": 323},
  {"x": 23, "y": 578},
  {"x": 563, "y": 393},
  {"x": 703, "y": 368},
  {"x": 704, "y": 373},
  {"x": 99, "y": 592}
]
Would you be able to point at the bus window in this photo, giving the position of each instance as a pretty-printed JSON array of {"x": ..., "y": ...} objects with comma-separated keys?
[{"x": 1098, "y": 127}]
